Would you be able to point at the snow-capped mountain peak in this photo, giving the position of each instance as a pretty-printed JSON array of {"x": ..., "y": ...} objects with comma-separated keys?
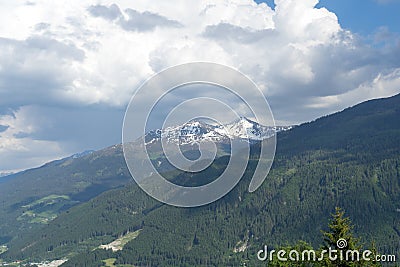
[
  {"x": 197, "y": 131},
  {"x": 245, "y": 128}
]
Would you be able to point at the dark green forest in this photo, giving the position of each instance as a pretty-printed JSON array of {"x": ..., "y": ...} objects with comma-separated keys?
[{"x": 349, "y": 159}]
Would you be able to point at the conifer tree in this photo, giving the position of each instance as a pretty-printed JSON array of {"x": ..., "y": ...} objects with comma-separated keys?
[{"x": 340, "y": 237}]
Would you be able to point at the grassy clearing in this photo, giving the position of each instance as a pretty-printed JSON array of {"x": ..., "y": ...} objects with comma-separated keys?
[
  {"x": 43, "y": 210},
  {"x": 110, "y": 262},
  {"x": 42, "y": 217},
  {"x": 49, "y": 200},
  {"x": 82, "y": 185},
  {"x": 128, "y": 237},
  {"x": 119, "y": 243},
  {"x": 3, "y": 249}
]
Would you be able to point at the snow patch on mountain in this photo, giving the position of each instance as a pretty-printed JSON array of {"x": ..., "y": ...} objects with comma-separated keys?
[
  {"x": 198, "y": 131},
  {"x": 4, "y": 174},
  {"x": 82, "y": 154}
]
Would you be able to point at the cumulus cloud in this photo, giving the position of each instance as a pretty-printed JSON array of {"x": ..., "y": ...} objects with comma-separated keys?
[
  {"x": 228, "y": 33},
  {"x": 35, "y": 70},
  {"x": 132, "y": 20},
  {"x": 32, "y": 135},
  {"x": 77, "y": 62},
  {"x": 145, "y": 21},
  {"x": 19, "y": 151},
  {"x": 383, "y": 85},
  {"x": 111, "y": 13}
]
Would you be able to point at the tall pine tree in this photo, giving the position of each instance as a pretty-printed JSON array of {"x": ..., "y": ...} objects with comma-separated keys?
[{"x": 340, "y": 237}]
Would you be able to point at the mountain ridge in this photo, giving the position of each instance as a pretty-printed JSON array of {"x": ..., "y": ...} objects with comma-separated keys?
[
  {"x": 198, "y": 131},
  {"x": 359, "y": 171}
]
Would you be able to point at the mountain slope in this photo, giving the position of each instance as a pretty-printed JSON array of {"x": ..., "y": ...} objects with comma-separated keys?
[
  {"x": 349, "y": 159},
  {"x": 366, "y": 126},
  {"x": 33, "y": 197}
]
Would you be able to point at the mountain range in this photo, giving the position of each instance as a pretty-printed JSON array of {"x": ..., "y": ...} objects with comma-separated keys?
[
  {"x": 197, "y": 131},
  {"x": 67, "y": 209}
]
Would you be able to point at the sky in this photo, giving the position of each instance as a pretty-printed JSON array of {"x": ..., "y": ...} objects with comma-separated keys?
[{"x": 69, "y": 68}]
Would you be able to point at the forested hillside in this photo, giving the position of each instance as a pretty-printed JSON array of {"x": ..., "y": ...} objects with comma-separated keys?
[
  {"x": 350, "y": 159},
  {"x": 32, "y": 198}
]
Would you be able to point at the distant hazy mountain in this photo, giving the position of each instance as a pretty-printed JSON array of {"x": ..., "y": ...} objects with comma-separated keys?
[
  {"x": 33, "y": 197},
  {"x": 2, "y": 174},
  {"x": 82, "y": 154}
]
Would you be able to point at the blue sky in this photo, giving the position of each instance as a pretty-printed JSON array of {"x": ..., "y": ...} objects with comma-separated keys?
[
  {"x": 366, "y": 16},
  {"x": 69, "y": 68},
  {"x": 363, "y": 16}
]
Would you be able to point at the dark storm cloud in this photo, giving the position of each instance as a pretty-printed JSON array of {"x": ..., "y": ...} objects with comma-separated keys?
[
  {"x": 94, "y": 126},
  {"x": 135, "y": 21},
  {"x": 63, "y": 130}
]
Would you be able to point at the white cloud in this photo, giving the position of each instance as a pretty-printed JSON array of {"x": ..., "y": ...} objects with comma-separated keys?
[
  {"x": 132, "y": 20},
  {"x": 383, "y": 85},
  {"x": 17, "y": 149},
  {"x": 279, "y": 49},
  {"x": 80, "y": 54}
]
